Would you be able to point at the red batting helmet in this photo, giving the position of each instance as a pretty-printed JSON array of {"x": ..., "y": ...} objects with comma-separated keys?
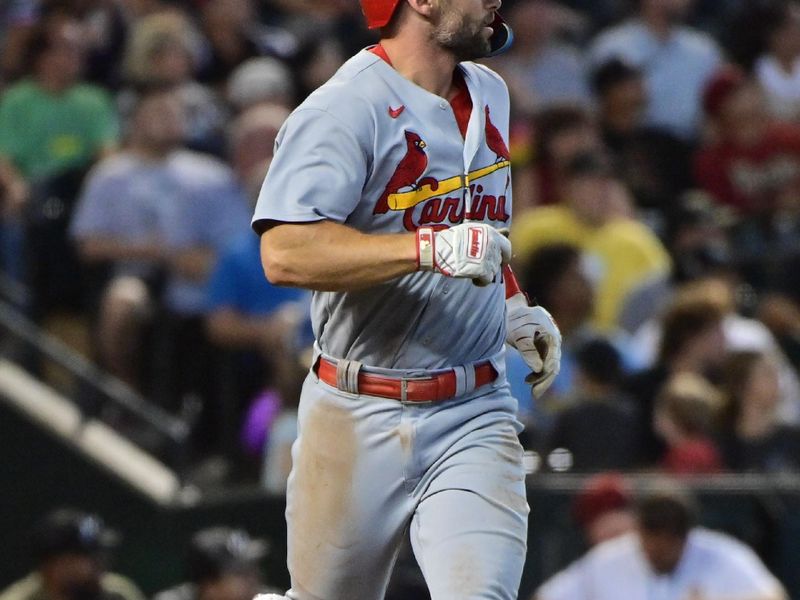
[{"x": 379, "y": 13}]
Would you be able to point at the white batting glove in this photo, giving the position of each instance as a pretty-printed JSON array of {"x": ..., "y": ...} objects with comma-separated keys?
[
  {"x": 526, "y": 325},
  {"x": 471, "y": 250}
]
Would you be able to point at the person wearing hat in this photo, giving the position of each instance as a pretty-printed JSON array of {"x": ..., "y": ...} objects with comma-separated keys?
[
  {"x": 223, "y": 563},
  {"x": 752, "y": 163},
  {"x": 667, "y": 555},
  {"x": 604, "y": 508},
  {"x": 594, "y": 215},
  {"x": 71, "y": 548}
]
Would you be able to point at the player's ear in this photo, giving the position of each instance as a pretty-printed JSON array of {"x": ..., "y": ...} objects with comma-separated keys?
[{"x": 424, "y": 8}]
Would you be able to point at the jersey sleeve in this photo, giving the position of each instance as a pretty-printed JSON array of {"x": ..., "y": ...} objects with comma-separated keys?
[{"x": 318, "y": 172}]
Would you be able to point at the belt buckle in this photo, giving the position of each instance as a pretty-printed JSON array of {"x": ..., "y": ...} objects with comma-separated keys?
[{"x": 404, "y": 392}]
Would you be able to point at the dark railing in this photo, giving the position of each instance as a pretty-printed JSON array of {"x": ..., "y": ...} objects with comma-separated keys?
[{"x": 166, "y": 435}]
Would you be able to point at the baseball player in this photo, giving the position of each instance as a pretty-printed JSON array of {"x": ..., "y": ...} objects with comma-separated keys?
[{"x": 388, "y": 196}]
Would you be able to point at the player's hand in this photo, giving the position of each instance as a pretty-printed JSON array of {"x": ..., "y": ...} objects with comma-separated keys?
[
  {"x": 471, "y": 250},
  {"x": 534, "y": 333}
]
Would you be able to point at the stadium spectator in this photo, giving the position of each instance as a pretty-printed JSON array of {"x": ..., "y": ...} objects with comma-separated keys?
[
  {"x": 603, "y": 508},
  {"x": 233, "y": 34},
  {"x": 541, "y": 69},
  {"x": 754, "y": 439},
  {"x": 163, "y": 49},
  {"x": 692, "y": 342},
  {"x": 685, "y": 416},
  {"x": 157, "y": 215},
  {"x": 251, "y": 141},
  {"x": 223, "y": 563},
  {"x": 628, "y": 257},
  {"x": 559, "y": 276},
  {"x": 554, "y": 276},
  {"x": 50, "y": 124},
  {"x": 120, "y": 222},
  {"x": 257, "y": 81},
  {"x": 676, "y": 61},
  {"x": 71, "y": 550},
  {"x": 781, "y": 315},
  {"x": 753, "y": 166},
  {"x": 654, "y": 164},
  {"x": 559, "y": 134},
  {"x": 600, "y": 426},
  {"x": 777, "y": 69},
  {"x": 753, "y": 162},
  {"x": 105, "y": 27},
  {"x": 697, "y": 233},
  {"x": 18, "y": 19},
  {"x": 741, "y": 332},
  {"x": 669, "y": 557}
]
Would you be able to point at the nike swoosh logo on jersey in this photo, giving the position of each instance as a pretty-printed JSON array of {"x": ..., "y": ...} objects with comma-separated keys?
[{"x": 396, "y": 112}]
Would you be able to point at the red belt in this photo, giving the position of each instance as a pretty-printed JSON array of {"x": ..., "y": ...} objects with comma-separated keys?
[{"x": 424, "y": 389}]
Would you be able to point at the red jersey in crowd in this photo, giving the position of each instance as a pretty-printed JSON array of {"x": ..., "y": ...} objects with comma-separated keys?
[{"x": 752, "y": 178}]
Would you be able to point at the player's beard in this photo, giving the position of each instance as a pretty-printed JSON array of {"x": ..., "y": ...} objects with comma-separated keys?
[{"x": 459, "y": 33}]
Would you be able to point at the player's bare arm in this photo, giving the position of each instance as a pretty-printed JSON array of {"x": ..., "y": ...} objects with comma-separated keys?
[{"x": 327, "y": 256}]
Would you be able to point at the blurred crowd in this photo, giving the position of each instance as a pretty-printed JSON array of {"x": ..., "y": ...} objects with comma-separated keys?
[
  {"x": 73, "y": 551},
  {"x": 656, "y": 154},
  {"x": 643, "y": 542}
]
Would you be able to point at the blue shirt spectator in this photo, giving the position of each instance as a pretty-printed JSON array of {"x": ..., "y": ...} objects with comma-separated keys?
[
  {"x": 238, "y": 281},
  {"x": 185, "y": 201}
]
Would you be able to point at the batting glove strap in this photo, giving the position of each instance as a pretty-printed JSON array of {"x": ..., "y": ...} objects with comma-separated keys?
[
  {"x": 475, "y": 251},
  {"x": 426, "y": 245}
]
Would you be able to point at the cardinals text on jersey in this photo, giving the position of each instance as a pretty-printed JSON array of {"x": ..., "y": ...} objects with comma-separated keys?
[{"x": 426, "y": 200}]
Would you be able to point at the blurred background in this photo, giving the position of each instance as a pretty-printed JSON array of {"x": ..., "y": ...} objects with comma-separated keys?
[{"x": 149, "y": 374}]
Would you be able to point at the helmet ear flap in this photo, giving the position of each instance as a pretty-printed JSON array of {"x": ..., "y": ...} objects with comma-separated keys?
[{"x": 502, "y": 38}]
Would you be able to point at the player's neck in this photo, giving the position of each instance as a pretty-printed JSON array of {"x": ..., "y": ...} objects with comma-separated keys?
[{"x": 421, "y": 61}]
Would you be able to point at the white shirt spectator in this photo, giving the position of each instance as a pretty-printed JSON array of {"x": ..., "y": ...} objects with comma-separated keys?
[
  {"x": 782, "y": 88},
  {"x": 676, "y": 70},
  {"x": 714, "y": 566}
]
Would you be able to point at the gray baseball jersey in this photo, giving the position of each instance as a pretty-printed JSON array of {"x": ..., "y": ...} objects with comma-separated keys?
[{"x": 372, "y": 150}]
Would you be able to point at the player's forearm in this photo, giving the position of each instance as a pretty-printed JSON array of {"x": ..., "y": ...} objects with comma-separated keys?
[{"x": 327, "y": 256}]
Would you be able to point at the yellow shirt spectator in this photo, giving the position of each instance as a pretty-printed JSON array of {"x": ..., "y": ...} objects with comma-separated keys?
[{"x": 627, "y": 255}]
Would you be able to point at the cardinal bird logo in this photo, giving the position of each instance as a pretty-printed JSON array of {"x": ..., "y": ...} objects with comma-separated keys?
[
  {"x": 408, "y": 172},
  {"x": 494, "y": 139}
]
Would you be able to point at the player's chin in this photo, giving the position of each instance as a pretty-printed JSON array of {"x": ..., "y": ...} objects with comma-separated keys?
[{"x": 477, "y": 47}]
